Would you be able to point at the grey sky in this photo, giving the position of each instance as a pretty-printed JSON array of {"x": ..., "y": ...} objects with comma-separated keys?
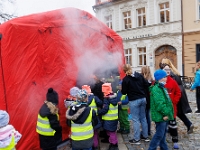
[{"x": 25, "y": 7}]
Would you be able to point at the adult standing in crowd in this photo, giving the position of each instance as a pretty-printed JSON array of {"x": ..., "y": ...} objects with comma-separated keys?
[
  {"x": 197, "y": 86},
  {"x": 133, "y": 85},
  {"x": 174, "y": 93},
  {"x": 146, "y": 72},
  {"x": 183, "y": 106},
  {"x": 97, "y": 87}
]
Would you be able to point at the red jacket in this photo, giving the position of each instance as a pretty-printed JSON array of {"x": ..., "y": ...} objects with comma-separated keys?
[{"x": 174, "y": 92}]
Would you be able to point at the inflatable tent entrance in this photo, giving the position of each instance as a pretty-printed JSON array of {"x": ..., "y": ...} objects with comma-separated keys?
[{"x": 47, "y": 50}]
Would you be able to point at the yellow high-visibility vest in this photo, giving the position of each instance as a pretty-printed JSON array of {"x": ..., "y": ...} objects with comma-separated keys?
[
  {"x": 112, "y": 113},
  {"x": 124, "y": 107},
  {"x": 11, "y": 146},
  {"x": 82, "y": 131},
  {"x": 93, "y": 105},
  {"x": 43, "y": 126}
]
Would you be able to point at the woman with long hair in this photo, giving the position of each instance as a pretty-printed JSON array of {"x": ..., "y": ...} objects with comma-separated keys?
[
  {"x": 183, "y": 106},
  {"x": 134, "y": 85},
  {"x": 146, "y": 72}
]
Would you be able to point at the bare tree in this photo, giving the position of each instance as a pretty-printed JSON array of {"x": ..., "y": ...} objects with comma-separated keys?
[{"x": 6, "y": 10}]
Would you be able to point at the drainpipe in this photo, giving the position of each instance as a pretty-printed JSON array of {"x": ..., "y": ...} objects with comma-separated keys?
[{"x": 183, "y": 60}]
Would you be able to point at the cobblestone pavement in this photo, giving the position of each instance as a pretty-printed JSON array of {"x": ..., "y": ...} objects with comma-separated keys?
[{"x": 186, "y": 141}]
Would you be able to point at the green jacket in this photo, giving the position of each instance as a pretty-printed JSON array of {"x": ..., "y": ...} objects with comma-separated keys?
[{"x": 160, "y": 103}]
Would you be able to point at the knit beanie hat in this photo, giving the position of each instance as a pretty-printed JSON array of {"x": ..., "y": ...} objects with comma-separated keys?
[
  {"x": 120, "y": 82},
  {"x": 81, "y": 95},
  {"x": 87, "y": 88},
  {"x": 74, "y": 91},
  {"x": 4, "y": 118},
  {"x": 106, "y": 89},
  {"x": 159, "y": 74},
  {"x": 52, "y": 96}
]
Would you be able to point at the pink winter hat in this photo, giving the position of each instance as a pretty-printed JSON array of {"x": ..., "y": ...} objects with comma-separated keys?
[
  {"x": 87, "y": 88},
  {"x": 107, "y": 89}
]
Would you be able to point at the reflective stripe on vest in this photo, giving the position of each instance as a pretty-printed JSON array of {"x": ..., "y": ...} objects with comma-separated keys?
[
  {"x": 124, "y": 107},
  {"x": 112, "y": 113},
  {"x": 93, "y": 105},
  {"x": 11, "y": 146},
  {"x": 82, "y": 131},
  {"x": 43, "y": 126}
]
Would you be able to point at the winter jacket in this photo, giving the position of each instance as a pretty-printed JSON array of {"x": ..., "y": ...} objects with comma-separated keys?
[
  {"x": 78, "y": 114},
  {"x": 50, "y": 141},
  {"x": 99, "y": 104},
  {"x": 147, "y": 93},
  {"x": 124, "y": 102},
  {"x": 7, "y": 133},
  {"x": 134, "y": 86},
  {"x": 196, "y": 80},
  {"x": 183, "y": 106},
  {"x": 174, "y": 92},
  {"x": 109, "y": 125},
  {"x": 160, "y": 103}
]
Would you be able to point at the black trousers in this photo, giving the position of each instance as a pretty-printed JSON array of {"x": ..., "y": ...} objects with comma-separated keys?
[
  {"x": 172, "y": 127},
  {"x": 198, "y": 97}
]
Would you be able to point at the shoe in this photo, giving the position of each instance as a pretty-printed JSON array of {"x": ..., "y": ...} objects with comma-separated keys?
[
  {"x": 119, "y": 131},
  {"x": 125, "y": 131},
  {"x": 144, "y": 139},
  {"x": 197, "y": 111},
  {"x": 95, "y": 148},
  {"x": 113, "y": 147},
  {"x": 190, "y": 129},
  {"x": 176, "y": 146},
  {"x": 134, "y": 142},
  {"x": 105, "y": 140}
]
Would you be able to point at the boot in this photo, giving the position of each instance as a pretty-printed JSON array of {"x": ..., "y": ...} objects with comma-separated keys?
[
  {"x": 105, "y": 140},
  {"x": 113, "y": 147},
  {"x": 127, "y": 131}
]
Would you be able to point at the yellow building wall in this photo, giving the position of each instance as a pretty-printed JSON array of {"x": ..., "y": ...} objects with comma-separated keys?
[{"x": 190, "y": 41}]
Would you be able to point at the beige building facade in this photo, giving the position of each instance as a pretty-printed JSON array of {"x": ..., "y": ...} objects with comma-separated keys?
[
  {"x": 191, "y": 35},
  {"x": 151, "y": 29}
]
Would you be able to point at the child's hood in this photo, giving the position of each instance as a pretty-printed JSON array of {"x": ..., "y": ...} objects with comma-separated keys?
[
  {"x": 113, "y": 99},
  {"x": 6, "y": 131}
]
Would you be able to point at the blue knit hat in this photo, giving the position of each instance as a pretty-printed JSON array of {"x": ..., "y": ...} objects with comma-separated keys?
[
  {"x": 159, "y": 74},
  {"x": 4, "y": 118},
  {"x": 74, "y": 91}
]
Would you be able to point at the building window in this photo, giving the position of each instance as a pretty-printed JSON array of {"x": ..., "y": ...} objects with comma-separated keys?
[
  {"x": 127, "y": 20},
  {"x": 164, "y": 12},
  {"x": 141, "y": 17},
  {"x": 108, "y": 20},
  {"x": 128, "y": 56},
  {"x": 142, "y": 56},
  {"x": 199, "y": 9}
]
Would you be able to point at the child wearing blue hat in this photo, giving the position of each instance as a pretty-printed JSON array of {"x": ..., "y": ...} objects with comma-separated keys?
[{"x": 123, "y": 111}]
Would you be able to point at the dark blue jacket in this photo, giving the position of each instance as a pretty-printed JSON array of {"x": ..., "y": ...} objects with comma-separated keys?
[{"x": 109, "y": 125}]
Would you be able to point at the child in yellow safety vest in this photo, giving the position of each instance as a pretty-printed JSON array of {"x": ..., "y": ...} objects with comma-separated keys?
[
  {"x": 48, "y": 124},
  {"x": 94, "y": 102},
  {"x": 109, "y": 114},
  {"x": 123, "y": 111},
  {"x": 82, "y": 120},
  {"x": 8, "y": 135}
]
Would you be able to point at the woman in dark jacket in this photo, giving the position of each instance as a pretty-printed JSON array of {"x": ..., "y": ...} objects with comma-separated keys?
[
  {"x": 183, "y": 106},
  {"x": 49, "y": 111}
]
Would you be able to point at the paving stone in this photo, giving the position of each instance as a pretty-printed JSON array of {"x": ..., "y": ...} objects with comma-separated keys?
[{"x": 186, "y": 142}]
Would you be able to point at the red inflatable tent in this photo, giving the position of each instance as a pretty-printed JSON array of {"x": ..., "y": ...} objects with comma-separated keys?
[{"x": 50, "y": 49}]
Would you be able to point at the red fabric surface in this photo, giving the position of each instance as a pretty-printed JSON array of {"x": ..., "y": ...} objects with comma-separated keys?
[{"x": 46, "y": 50}]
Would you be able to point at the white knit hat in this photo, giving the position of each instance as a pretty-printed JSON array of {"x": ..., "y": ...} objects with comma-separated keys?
[{"x": 4, "y": 118}]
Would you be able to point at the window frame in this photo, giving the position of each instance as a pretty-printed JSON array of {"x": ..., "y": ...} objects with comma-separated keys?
[
  {"x": 127, "y": 19},
  {"x": 144, "y": 56},
  {"x": 128, "y": 55},
  {"x": 109, "y": 21},
  {"x": 198, "y": 9},
  {"x": 164, "y": 10},
  {"x": 142, "y": 16}
]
